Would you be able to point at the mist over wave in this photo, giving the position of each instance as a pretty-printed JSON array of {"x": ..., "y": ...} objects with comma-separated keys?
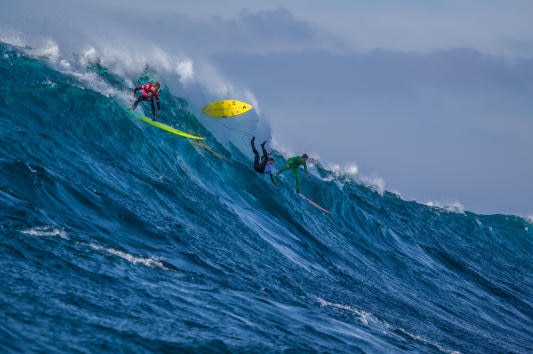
[{"x": 117, "y": 236}]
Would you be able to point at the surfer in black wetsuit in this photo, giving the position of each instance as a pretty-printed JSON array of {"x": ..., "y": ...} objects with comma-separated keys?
[{"x": 266, "y": 165}]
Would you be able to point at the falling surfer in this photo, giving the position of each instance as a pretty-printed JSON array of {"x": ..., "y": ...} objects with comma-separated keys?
[
  {"x": 149, "y": 92},
  {"x": 266, "y": 165}
]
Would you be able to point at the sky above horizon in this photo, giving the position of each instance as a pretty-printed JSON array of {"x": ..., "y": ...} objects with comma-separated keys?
[{"x": 431, "y": 97}]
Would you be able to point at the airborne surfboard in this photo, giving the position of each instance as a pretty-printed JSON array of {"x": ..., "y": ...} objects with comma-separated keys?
[
  {"x": 162, "y": 126},
  {"x": 226, "y": 108}
]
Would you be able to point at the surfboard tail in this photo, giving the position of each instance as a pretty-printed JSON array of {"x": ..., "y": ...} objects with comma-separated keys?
[{"x": 313, "y": 203}]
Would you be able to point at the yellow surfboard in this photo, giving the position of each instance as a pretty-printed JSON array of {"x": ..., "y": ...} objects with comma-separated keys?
[
  {"x": 162, "y": 126},
  {"x": 226, "y": 108}
]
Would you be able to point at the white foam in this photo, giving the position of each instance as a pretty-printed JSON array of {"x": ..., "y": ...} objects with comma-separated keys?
[
  {"x": 453, "y": 206},
  {"x": 12, "y": 38},
  {"x": 46, "y": 231},
  {"x": 348, "y": 171},
  {"x": 49, "y": 50},
  {"x": 151, "y": 262},
  {"x": 365, "y": 317},
  {"x": 369, "y": 319},
  {"x": 375, "y": 183},
  {"x": 185, "y": 70}
]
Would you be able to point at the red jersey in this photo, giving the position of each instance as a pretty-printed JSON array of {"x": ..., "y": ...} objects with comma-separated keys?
[{"x": 147, "y": 91}]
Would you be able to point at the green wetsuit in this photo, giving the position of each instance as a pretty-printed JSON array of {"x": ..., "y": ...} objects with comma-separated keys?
[{"x": 294, "y": 163}]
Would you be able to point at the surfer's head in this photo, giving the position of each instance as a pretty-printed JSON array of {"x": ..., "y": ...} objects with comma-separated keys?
[
  {"x": 156, "y": 85},
  {"x": 305, "y": 157}
]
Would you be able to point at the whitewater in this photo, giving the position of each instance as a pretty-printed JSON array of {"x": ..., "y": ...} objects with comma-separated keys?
[{"x": 116, "y": 236}]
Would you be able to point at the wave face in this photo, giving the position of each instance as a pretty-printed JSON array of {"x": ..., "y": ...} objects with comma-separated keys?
[{"x": 119, "y": 237}]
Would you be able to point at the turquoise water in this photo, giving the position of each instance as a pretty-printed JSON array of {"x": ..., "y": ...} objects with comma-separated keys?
[{"x": 119, "y": 237}]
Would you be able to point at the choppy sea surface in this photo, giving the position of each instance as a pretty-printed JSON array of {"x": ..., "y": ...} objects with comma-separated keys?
[{"x": 116, "y": 236}]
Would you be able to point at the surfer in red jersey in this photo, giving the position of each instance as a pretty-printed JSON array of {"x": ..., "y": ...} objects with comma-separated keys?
[{"x": 148, "y": 92}]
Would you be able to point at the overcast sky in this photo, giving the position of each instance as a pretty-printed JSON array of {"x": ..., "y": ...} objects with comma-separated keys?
[{"x": 433, "y": 97}]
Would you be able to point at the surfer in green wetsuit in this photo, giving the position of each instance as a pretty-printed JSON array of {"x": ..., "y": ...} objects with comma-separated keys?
[
  {"x": 294, "y": 163},
  {"x": 267, "y": 163}
]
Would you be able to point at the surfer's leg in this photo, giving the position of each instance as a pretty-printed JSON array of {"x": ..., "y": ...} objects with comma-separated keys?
[
  {"x": 136, "y": 102},
  {"x": 257, "y": 165},
  {"x": 265, "y": 153},
  {"x": 252, "y": 142},
  {"x": 262, "y": 165},
  {"x": 153, "y": 108},
  {"x": 297, "y": 177}
]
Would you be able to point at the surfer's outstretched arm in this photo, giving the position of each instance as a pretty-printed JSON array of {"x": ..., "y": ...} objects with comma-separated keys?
[{"x": 273, "y": 180}]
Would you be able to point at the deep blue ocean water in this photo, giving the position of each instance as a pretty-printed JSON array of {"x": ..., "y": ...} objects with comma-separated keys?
[{"x": 117, "y": 237}]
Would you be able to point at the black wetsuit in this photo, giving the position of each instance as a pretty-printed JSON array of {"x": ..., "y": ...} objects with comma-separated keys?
[
  {"x": 259, "y": 166},
  {"x": 263, "y": 166}
]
